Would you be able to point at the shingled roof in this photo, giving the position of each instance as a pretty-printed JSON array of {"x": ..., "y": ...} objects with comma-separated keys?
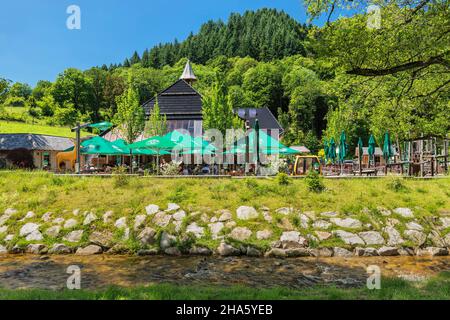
[
  {"x": 33, "y": 142},
  {"x": 179, "y": 101},
  {"x": 265, "y": 118}
]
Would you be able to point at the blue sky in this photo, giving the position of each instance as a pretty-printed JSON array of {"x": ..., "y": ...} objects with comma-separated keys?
[{"x": 35, "y": 43}]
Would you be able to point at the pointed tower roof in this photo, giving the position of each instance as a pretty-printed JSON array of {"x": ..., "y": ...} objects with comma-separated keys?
[{"x": 188, "y": 74}]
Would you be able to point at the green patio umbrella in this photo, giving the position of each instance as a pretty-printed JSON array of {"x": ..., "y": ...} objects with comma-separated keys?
[
  {"x": 102, "y": 126},
  {"x": 99, "y": 145},
  {"x": 360, "y": 153},
  {"x": 332, "y": 150},
  {"x": 267, "y": 144},
  {"x": 343, "y": 147},
  {"x": 121, "y": 143},
  {"x": 371, "y": 148},
  {"x": 286, "y": 151},
  {"x": 387, "y": 148},
  {"x": 160, "y": 144},
  {"x": 182, "y": 141},
  {"x": 156, "y": 143},
  {"x": 189, "y": 144}
]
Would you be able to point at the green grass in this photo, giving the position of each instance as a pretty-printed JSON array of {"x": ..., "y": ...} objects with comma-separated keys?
[
  {"x": 437, "y": 287},
  {"x": 16, "y": 110},
  {"x": 44, "y": 192},
  {"x": 40, "y": 191},
  {"x": 22, "y": 127}
]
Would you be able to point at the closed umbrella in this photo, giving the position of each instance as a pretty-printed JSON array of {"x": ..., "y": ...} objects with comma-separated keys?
[
  {"x": 371, "y": 149},
  {"x": 343, "y": 148},
  {"x": 332, "y": 150},
  {"x": 387, "y": 149},
  {"x": 360, "y": 154}
]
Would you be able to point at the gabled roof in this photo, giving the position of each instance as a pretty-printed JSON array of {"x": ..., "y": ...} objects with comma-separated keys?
[
  {"x": 179, "y": 101},
  {"x": 265, "y": 118},
  {"x": 188, "y": 73},
  {"x": 33, "y": 142}
]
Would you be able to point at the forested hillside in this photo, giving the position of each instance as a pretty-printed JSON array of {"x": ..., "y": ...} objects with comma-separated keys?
[
  {"x": 264, "y": 35},
  {"x": 317, "y": 81}
]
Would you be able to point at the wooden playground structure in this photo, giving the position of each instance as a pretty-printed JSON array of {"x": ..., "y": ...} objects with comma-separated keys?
[{"x": 424, "y": 156}]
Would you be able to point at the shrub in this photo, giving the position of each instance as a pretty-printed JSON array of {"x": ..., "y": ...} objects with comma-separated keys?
[
  {"x": 396, "y": 185},
  {"x": 314, "y": 181},
  {"x": 120, "y": 177},
  {"x": 15, "y": 102},
  {"x": 170, "y": 168},
  {"x": 180, "y": 194},
  {"x": 282, "y": 179},
  {"x": 251, "y": 183}
]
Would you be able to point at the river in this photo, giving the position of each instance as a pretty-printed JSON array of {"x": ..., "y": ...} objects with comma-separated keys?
[{"x": 100, "y": 271}]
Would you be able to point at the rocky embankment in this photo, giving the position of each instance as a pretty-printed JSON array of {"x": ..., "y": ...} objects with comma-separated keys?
[{"x": 285, "y": 232}]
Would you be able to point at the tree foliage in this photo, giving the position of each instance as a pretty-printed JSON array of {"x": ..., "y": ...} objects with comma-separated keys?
[
  {"x": 157, "y": 123},
  {"x": 318, "y": 81},
  {"x": 265, "y": 35},
  {"x": 395, "y": 78},
  {"x": 130, "y": 115},
  {"x": 218, "y": 109}
]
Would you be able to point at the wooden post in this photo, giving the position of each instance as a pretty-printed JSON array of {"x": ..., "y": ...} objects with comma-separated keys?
[
  {"x": 399, "y": 155},
  {"x": 410, "y": 157},
  {"x": 78, "y": 161},
  {"x": 445, "y": 154},
  {"x": 360, "y": 164},
  {"x": 421, "y": 156}
]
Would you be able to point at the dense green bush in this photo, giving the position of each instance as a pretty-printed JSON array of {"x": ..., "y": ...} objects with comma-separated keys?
[
  {"x": 314, "y": 181},
  {"x": 120, "y": 177},
  {"x": 396, "y": 184},
  {"x": 282, "y": 179}
]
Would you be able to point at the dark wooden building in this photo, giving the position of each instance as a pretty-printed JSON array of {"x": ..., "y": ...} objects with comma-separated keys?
[
  {"x": 182, "y": 105},
  {"x": 266, "y": 119}
]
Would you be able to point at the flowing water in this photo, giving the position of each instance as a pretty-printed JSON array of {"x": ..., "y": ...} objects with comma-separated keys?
[{"x": 50, "y": 272}]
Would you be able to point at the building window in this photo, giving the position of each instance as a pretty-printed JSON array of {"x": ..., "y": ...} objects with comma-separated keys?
[
  {"x": 46, "y": 159},
  {"x": 194, "y": 127}
]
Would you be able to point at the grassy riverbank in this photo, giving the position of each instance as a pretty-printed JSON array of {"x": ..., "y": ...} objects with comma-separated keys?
[
  {"x": 71, "y": 198},
  {"x": 42, "y": 192},
  {"x": 391, "y": 289}
]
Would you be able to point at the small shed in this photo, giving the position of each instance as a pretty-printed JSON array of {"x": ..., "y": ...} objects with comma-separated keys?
[{"x": 33, "y": 151}]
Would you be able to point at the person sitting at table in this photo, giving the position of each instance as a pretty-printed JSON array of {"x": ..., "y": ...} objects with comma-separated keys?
[{"x": 205, "y": 169}]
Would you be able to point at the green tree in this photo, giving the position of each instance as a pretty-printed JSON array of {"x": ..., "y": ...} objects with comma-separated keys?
[
  {"x": 74, "y": 87},
  {"x": 4, "y": 88},
  {"x": 42, "y": 88},
  {"x": 135, "y": 58},
  {"x": 21, "y": 90},
  {"x": 47, "y": 104},
  {"x": 114, "y": 86},
  {"x": 97, "y": 79},
  {"x": 130, "y": 115},
  {"x": 396, "y": 77},
  {"x": 157, "y": 123},
  {"x": 218, "y": 110},
  {"x": 263, "y": 86},
  {"x": 66, "y": 115}
]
